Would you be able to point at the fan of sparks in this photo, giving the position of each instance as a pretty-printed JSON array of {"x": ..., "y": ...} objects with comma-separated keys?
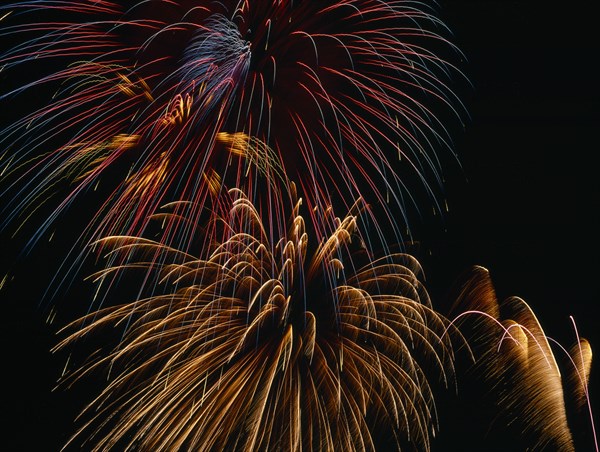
[
  {"x": 144, "y": 101},
  {"x": 265, "y": 346}
]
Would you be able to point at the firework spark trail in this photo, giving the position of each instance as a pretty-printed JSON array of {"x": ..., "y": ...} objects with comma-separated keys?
[
  {"x": 519, "y": 368},
  {"x": 338, "y": 91},
  {"x": 266, "y": 345}
]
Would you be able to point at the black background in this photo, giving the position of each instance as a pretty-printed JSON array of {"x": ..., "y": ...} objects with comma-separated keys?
[{"x": 525, "y": 205}]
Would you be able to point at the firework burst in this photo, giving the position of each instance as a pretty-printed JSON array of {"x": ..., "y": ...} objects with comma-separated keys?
[
  {"x": 147, "y": 99},
  {"x": 519, "y": 373},
  {"x": 265, "y": 345}
]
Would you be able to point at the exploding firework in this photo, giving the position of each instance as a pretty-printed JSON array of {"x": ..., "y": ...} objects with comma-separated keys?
[
  {"x": 150, "y": 100},
  {"x": 265, "y": 345},
  {"x": 518, "y": 373}
]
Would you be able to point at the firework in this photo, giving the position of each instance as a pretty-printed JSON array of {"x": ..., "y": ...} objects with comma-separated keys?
[
  {"x": 518, "y": 370},
  {"x": 266, "y": 345},
  {"x": 144, "y": 102}
]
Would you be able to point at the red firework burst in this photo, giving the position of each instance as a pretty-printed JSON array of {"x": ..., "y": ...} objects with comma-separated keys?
[{"x": 169, "y": 95}]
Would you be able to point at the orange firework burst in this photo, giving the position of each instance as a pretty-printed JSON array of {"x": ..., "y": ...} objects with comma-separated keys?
[
  {"x": 266, "y": 346},
  {"x": 520, "y": 372}
]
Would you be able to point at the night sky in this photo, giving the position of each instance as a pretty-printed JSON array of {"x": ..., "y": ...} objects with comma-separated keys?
[{"x": 525, "y": 204}]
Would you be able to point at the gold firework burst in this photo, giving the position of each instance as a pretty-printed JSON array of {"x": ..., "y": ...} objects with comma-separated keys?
[
  {"x": 520, "y": 370},
  {"x": 266, "y": 345}
]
